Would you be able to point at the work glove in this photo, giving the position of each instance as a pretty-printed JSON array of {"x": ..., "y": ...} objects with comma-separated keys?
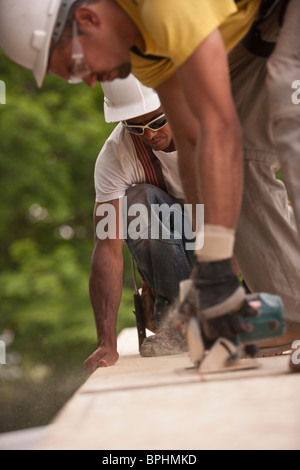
[{"x": 217, "y": 298}]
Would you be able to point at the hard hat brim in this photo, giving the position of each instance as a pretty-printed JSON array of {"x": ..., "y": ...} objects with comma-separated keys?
[
  {"x": 41, "y": 65},
  {"x": 123, "y": 114}
]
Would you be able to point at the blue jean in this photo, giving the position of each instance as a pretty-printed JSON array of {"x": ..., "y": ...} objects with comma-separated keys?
[{"x": 163, "y": 262}]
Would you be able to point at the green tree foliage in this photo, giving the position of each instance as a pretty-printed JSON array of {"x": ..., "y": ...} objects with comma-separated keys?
[{"x": 49, "y": 141}]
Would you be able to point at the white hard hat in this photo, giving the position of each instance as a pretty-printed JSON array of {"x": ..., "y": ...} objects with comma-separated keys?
[
  {"x": 27, "y": 28},
  {"x": 127, "y": 98}
]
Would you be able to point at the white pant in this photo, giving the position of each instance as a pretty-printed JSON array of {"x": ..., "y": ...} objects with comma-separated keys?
[
  {"x": 283, "y": 70},
  {"x": 267, "y": 244}
]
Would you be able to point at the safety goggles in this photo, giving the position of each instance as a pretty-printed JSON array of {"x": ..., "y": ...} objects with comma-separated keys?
[
  {"x": 154, "y": 125},
  {"x": 79, "y": 68}
]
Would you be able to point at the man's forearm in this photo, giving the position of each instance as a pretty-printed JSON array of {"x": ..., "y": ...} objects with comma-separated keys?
[
  {"x": 105, "y": 294},
  {"x": 220, "y": 172}
]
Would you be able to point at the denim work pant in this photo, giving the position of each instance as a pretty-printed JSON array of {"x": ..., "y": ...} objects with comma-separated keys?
[
  {"x": 163, "y": 263},
  {"x": 267, "y": 243}
]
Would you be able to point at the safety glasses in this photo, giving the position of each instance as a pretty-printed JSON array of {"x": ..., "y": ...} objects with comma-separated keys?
[
  {"x": 79, "y": 68},
  {"x": 154, "y": 125}
]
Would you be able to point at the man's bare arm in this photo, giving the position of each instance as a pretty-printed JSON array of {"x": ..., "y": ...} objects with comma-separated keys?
[
  {"x": 106, "y": 284},
  {"x": 211, "y": 148}
]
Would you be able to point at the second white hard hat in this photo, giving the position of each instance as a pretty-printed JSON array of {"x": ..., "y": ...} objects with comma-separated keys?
[
  {"x": 127, "y": 98},
  {"x": 26, "y": 31}
]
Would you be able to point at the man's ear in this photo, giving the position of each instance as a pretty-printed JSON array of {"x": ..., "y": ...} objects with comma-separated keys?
[{"x": 87, "y": 18}]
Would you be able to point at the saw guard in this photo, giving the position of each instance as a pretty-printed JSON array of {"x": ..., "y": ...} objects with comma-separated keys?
[{"x": 225, "y": 356}]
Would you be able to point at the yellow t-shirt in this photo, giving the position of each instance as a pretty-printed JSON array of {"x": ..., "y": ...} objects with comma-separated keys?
[{"x": 173, "y": 29}]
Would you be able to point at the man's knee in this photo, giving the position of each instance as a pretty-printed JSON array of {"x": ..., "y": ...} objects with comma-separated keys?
[{"x": 145, "y": 194}]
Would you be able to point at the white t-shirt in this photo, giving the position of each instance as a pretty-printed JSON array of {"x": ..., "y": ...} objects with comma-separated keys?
[{"x": 118, "y": 168}]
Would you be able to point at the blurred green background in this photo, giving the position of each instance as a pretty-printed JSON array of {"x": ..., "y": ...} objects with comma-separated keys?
[{"x": 49, "y": 141}]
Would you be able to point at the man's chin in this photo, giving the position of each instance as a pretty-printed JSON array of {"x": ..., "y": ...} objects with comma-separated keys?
[
  {"x": 125, "y": 70},
  {"x": 122, "y": 72}
]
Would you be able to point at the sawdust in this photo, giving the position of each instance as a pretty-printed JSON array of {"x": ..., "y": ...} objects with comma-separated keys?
[{"x": 169, "y": 339}]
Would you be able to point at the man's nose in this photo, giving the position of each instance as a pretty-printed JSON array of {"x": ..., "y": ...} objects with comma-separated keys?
[{"x": 149, "y": 134}]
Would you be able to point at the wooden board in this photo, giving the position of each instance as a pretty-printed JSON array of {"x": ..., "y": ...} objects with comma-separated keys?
[{"x": 164, "y": 403}]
